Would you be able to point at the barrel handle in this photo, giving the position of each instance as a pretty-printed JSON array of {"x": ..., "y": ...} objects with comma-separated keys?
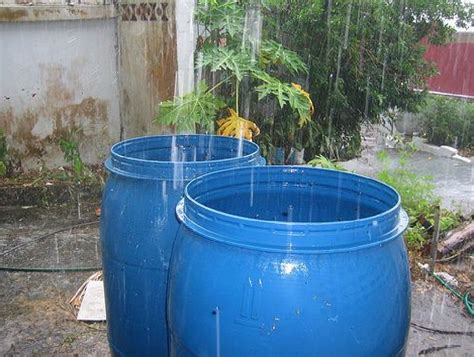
[
  {"x": 180, "y": 210},
  {"x": 261, "y": 161}
]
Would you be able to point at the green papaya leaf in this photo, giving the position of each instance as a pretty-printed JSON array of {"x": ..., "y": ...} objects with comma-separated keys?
[{"x": 197, "y": 107}]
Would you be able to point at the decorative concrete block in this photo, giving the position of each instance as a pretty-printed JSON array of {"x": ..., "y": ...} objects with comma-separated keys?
[
  {"x": 461, "y": 158},
  {"x": 448, "y": 150}
]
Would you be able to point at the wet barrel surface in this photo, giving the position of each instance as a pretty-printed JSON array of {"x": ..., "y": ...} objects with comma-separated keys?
[
  {"x": 139, "y": 225},
  {"x": 289, "y": 261}
]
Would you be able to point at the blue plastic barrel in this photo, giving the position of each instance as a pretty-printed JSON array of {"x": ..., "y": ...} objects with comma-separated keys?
[
  {"x": 289, "y": 261},
  {"x": 138, "y": 227}
]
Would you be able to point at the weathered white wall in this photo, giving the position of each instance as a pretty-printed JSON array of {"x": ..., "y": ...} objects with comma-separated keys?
[
  {"x": 147, "y": 63},
  {"x": 100, "y": 70},
  {"x": 56, "y": 76},
  {"x": 186, "y": 43}
]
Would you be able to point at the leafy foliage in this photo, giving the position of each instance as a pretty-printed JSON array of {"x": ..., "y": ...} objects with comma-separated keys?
[
  {"x": 273, "y": 53},
  {"x": 418, "y": 200},
  {"x": 325, "y": 163},
  {"x": 198, "y": 107},
  {"x": 70, "y": 148},
  {"x": 416, "y": 194},
  {"x": 3, "y": 153},
  {"x": 226, "y": 59},
  {"x": 224, "y": 17},
  {"x": 448, "y": 121},
  {"x": 285, "y": 94},
  {"x": 245, "y": 70},
  {"x": 363, "y": 58}
]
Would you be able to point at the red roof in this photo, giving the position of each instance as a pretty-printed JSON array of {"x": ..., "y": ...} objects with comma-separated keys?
[{"x": 455, "y": 63}]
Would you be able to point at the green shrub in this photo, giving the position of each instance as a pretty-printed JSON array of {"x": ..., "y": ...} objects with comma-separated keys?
[
  {"x": 364, "y": 57},
  {"x": 448, "y": 121},
  {"x": 325, "y": 163},
  {"x": 69, "y": 145},
  {"x": 3, "y": 169},
  {"x": 418, "y": 200},
  {"x": 417, "y": 196},
  {"x": 3, "y": 153}
]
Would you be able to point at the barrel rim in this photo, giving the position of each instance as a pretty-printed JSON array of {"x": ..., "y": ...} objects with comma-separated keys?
[
  {"x": 146, "y": 169},
  {"x": 192, "y": 209}
]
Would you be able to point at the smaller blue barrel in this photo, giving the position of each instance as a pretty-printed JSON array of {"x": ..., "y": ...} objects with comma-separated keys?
[
  {"x": 147, "y": 177},
  {"x": 289, "y": 261}
]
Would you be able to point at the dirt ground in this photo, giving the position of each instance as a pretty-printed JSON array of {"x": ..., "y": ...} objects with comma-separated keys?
[{"x": 36, "y": 320}]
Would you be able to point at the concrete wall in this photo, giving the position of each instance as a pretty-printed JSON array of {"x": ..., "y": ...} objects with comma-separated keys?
[
  {"x": 58, "y": 76},
  {"x": 98, "y": 70},
  {"x": 147, "y": 63},
  {"x": 53, "y": 2}
]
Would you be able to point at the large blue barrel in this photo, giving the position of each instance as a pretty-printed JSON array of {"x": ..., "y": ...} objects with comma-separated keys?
[
  {"x": 289, "y": 261},
  {"x": 138, "y": 227}
]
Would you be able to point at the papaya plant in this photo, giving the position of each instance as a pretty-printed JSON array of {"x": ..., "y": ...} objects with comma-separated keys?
[{"x": 234, "y": 65}]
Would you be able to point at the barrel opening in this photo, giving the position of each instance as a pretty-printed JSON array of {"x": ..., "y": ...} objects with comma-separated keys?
[
  {"x": 185, "y": 148},
  {"x": 311, "y": 196}
]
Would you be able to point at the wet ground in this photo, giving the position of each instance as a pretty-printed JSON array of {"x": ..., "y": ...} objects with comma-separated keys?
[
  {"x": 439, "y": 325},
  {"x": 36, "y": 319},
  {"x": 453, "y": 180}
]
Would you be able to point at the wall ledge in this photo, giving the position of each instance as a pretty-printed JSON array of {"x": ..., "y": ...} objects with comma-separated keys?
[{"x": 26, "y": 13}]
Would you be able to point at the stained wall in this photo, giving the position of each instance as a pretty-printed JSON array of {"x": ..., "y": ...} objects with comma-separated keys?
[
  {"x": 56, "y": 78},
  {"x": 98, "y": 71}
]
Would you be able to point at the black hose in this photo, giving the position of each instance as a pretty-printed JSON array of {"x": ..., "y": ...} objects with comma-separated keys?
[{"x": 49, "y": 270}]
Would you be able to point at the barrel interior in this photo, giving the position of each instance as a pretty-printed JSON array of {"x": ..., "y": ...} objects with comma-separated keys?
[
  {"x": 184, "y": 148},
  {"x": 320, "y": 196}
]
